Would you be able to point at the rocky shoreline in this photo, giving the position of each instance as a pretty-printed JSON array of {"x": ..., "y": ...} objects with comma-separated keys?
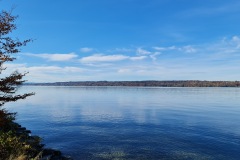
[{"x": 44, "y": 153}]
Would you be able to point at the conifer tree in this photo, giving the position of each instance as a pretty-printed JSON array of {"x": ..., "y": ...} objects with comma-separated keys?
[{"x": 8, "y": 47}]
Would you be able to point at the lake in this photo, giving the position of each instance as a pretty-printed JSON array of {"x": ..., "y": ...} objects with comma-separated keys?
[{"x": 134, "y": 122}]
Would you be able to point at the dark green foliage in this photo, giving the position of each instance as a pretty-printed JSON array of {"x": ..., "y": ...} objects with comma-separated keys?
[
  {"x": 6, "y": 120},
  {"x": 14, "y": 144},
  {"x": 8, "y": 47}
]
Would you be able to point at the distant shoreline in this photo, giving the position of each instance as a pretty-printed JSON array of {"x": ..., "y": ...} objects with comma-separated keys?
[{"x": 149, "y": 83}]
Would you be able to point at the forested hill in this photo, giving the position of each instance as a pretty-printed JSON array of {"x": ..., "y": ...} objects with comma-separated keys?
[{"x": 187, "y": 83}]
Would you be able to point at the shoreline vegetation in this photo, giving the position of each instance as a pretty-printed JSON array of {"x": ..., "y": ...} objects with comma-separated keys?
[
  {"x": 17, "y": 143},
  {"x": 148, "y": 83}
]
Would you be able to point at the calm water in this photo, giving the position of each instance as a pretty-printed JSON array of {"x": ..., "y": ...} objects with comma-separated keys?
[{"x": 135, "y": 123}]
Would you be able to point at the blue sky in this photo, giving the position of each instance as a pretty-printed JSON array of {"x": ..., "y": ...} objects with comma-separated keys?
[{"x": 79, "y": 40}]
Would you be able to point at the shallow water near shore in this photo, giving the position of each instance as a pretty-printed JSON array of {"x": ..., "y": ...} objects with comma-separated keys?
[{"x": 134, "y": 122}]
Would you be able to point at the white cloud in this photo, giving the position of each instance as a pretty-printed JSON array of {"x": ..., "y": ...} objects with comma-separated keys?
[
  {"x": 54, "y": 69},
  {"x": 46, "y": 73},
  {"x": 107, "y": 64},
  {"x": 14, "y": 65},
  {"x": 159, "y": 48},
  {"x": 236, "y": 41},
  {"x": 236, "y": 38},
  {"x": 11, "y": 67},
  {"x": 138, "y": 58},
  {"x": 45, "y": 69},
  {"x": 102, "y": 58},
  {"x": 188, "y": 49},
  {"x": 54, "y": 57},
  {"x": 227, "y": 47},
  {"x": 123, "y": 50},
  {"x": 86, "y": 49},
  {"x": 154, "y": 55},
  {"x": 124, "y": 70},
  {"x": 96, "y": 58},
  {"x": 165, "y": 48},
  {"x": 141, "y": 51}
]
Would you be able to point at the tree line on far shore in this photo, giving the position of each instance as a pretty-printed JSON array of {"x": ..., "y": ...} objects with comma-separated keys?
[{"x": 180, "y": 83}]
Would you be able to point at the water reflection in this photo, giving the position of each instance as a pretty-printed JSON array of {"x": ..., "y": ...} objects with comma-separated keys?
[{"x": 135, "y": 123}]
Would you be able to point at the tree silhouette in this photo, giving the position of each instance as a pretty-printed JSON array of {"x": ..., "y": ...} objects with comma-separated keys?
[{"x": 9, "y": 46}]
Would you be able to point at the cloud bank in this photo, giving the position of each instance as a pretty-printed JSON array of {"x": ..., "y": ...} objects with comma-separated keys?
[
  {"x": 212, "y": 61},
  {"x": 55, "y": 56},
  {"x": 96, "y": 58}
]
